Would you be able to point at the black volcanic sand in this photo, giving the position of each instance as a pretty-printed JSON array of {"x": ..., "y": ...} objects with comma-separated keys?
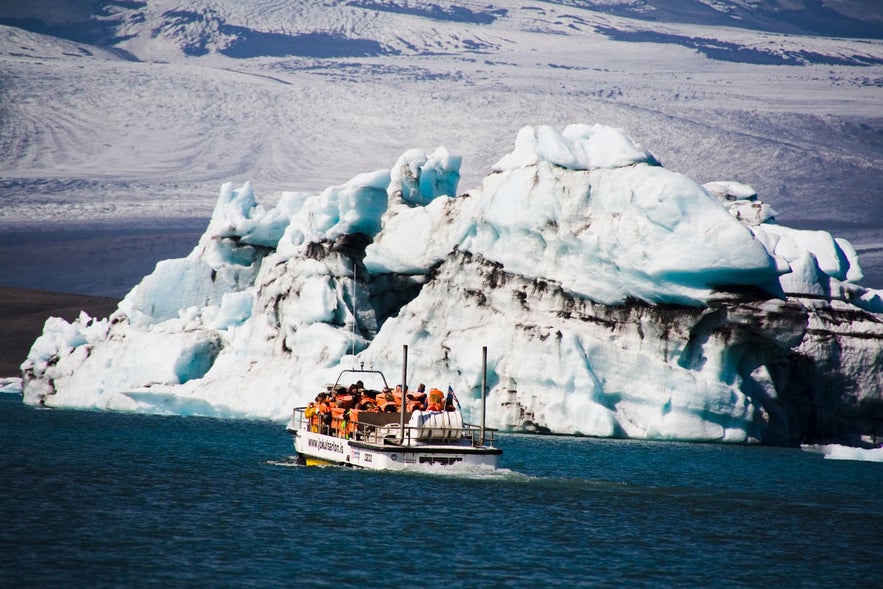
[{"x": 23, "y": 312}]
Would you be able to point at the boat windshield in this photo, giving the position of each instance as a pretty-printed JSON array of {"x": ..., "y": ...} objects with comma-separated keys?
[{"x": 368, "y": 380}]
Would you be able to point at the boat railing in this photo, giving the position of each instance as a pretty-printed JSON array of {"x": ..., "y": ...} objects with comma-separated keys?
[{"x": 385, "y": 429}]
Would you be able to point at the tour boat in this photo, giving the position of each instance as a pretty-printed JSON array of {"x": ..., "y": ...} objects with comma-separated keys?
[{"x": 370, "y": 426}]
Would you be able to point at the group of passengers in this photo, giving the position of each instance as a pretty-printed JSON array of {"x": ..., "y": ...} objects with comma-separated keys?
[{"x": 343, "y": 404}]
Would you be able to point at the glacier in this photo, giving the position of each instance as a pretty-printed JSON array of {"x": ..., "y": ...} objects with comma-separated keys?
[{"x": 616, "y": 298}]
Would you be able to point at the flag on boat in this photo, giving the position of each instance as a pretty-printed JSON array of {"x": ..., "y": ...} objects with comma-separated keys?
[{"x": 453, "y": 395}]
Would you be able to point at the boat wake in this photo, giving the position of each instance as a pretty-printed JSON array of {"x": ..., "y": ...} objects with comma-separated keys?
[
  {"x": 287, "y": 462},
  {"x": 468, "y": 471},
  {"x": 465, "y": 471}
]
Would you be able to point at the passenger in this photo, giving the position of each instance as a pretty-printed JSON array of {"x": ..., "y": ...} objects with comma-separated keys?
[
  {"x": 343, "y": 424},
  {"x": 324, "y": 414},
  {"x": 311, "y": 407},
  {"x": 352, "y": 424},
  {"x": 344, "y": 398},
  {"x": 366, "y": 403},
  {"x": 436, "y": 400},
  {"x": 417, "y": 400},
  {"x": 450, "y": 399},
  {"x": 386, "y": 401},
  {"x": 311, "y": 413},
  {"x": 338, "y": 421}
]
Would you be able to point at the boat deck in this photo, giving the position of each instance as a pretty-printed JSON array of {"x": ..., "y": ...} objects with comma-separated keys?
[{"x": 361, "y": 428}]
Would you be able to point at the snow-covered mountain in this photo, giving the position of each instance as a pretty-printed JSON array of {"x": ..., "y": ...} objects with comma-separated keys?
[
  {"x": 121, "y": 118},
  {"x": 617, "y": 297}
]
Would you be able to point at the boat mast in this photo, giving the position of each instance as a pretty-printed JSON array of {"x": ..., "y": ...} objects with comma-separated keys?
[
  {"x": 404, "y": 376},
  {"x": 483, "y": 389}
]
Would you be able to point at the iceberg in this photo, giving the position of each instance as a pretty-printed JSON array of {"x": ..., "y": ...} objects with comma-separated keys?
[
  {"x": 616, "y": 297},
  {"x": 840, "y": 452}
]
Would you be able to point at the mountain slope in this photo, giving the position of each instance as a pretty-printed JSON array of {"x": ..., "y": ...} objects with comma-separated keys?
[{"x": 156, "y": 104}]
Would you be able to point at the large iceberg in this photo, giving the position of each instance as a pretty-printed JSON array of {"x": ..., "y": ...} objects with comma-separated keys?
[{"x": 616, "y": 297}]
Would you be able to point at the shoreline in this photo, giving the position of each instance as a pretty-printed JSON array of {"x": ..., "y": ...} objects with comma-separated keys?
[{"x": 23, "y": 312}]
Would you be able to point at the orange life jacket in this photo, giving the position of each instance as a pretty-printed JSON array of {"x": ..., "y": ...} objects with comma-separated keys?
[
  {"x": 345, "y": 401},
  {"x": 366, "y": 404}
]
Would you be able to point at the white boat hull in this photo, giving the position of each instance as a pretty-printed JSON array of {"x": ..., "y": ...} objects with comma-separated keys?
[{"x": 316, "y": 448}]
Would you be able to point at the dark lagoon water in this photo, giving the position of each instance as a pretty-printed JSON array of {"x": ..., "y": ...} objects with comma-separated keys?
[{"x": 90, "y": 499}]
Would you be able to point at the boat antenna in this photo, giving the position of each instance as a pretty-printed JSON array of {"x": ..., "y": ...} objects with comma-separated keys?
[
  {"x": 404, "y": 388},
  {"x": 355, "y": 317},
  {"x": 483, "y": 390}
]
